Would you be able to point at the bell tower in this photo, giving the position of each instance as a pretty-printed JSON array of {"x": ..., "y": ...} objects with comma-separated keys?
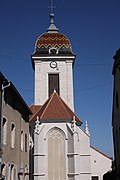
[{"x": 53, "y": 61}]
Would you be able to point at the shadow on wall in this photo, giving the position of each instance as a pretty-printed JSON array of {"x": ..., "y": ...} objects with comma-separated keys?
[{"x": 111, "y": 175}]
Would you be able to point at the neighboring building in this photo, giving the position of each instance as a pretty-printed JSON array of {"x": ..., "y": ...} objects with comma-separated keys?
[
  {"x": 14, "y": 132},
  {"x": 116, "y": 111},
  {"x": 99, "y": 164},
  {"x": 59, "y": 148}
]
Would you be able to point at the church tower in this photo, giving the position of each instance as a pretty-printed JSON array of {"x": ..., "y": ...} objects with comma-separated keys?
[
  {"x": 53, "y": 61},
  {"x": 59, "y": 148}
]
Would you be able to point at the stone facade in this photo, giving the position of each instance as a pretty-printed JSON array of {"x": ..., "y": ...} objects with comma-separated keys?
[
  {"x": 64, "y": 69},
  {"x": 15, "y": 134},
  {"x": 58, "y": 150},
  {"x": 60, "y": 145}
]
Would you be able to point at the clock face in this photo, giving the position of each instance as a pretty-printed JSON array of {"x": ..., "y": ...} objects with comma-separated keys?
[{"x": 53, "y": 64}]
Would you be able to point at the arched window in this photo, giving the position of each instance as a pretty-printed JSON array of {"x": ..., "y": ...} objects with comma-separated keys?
[
  {"x": 4, "y": 131},
  {"x": 3, "y": 170},
  {"x": 26, "y": 141},
  {"x": 8, "y": 169},
  {"x": 56, "y": 154},
  {"x": 22, "y": 140},
  {"x": 15, "y": 172},
  {"x": 12, "y": 172},
  {"x": 12, "y": 135},
  {"x": 26, "y": 172}
]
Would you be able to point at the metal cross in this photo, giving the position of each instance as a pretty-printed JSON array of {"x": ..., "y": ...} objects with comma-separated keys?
[{"x": 51, "y": 6}]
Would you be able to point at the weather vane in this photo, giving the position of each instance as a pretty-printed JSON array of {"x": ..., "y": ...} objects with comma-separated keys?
[{"x": 51, "y": 6}]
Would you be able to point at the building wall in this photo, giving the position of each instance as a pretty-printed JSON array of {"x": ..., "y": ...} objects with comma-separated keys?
[
  {"x": 100, "y": 164},
  {"x": 81, "y": 161},
  {"x": 14, "y": 120},
  {"x": 64, "y": 69},
  {"x": 41, "y": 148},
  {"x": 116, "y": 119},
  {"x": 15, "y": 155},
  {"x": 31, "y": 149},
  {"x": 77, "y": 152},
  {"x": 84, "y": 155},
  {"x": 116, "y": 111}
]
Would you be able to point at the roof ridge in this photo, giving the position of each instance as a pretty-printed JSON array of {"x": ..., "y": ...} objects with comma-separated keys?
[
  {"x": 63, "y": 105},
  {"x": 49, "y": 100},
  {"x": 39, "y": 108},
  {"x": 70, "y": 109},
  {"x": 67, "y": 105},
  {"x": 35, "y": 113}
]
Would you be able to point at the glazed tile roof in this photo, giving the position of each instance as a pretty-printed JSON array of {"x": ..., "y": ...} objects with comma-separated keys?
[
  {"x": 54, "y": 110},
  {"x": 56, "y": 40}
]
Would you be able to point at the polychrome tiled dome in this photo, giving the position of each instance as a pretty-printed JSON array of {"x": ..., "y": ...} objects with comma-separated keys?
[{"x": 52, "y": 39}]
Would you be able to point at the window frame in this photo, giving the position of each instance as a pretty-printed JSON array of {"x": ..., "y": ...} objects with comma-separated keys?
[
  {"x": 53, "y": 80},
  {"x": 5, "y": 131},
  {"x": 13, "y": 132},
  {"x": 22, "y": 140}
]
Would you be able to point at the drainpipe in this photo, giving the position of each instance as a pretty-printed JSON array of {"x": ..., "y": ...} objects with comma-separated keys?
[{"x": 4, "y": 86}]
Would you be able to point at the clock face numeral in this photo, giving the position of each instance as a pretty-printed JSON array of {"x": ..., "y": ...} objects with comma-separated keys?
[{"x": 53, "y": 64}]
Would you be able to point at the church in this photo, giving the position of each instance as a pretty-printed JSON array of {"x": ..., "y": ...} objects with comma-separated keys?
[{"x": 59, "y": 148}]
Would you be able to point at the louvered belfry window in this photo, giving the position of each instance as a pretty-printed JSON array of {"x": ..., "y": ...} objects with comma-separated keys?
[{"x": 53, "y": 83}]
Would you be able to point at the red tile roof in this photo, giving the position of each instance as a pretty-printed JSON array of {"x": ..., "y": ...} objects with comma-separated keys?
[
  {"x": 54, "y": 110},
  {"x": 34, "y": 109}
]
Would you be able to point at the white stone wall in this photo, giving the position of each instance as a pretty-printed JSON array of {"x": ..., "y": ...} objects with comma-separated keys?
[
  {"x": 78, "y": 154},
  {"x": 64, "y": 69},
  {"x": 41, "y": 149},
  {"x": 100, "y": 164},
  {"x": 84, "y": 155},
  {"x": 81, "y": 160}
]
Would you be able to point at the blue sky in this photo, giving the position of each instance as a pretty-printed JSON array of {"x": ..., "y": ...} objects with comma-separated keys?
[{"x": 93, "y": 29}]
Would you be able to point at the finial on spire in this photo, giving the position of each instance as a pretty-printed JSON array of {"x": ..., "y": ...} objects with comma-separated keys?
[
  {"x": 37, "y": 124},
  {"x": 87, "y": 128},
  {"x": 52, "y": 28},
  {"x": 73, "y": 125}
]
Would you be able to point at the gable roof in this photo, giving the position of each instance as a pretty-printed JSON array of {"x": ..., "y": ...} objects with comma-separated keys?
[
  {"x": 55, "y": 110},
  {"x": 101, "y": 153},
  {"x": 16, "y": 93}
]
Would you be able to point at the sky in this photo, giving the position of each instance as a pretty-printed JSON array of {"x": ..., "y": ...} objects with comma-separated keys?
[{"x": 93, "y": 29}]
